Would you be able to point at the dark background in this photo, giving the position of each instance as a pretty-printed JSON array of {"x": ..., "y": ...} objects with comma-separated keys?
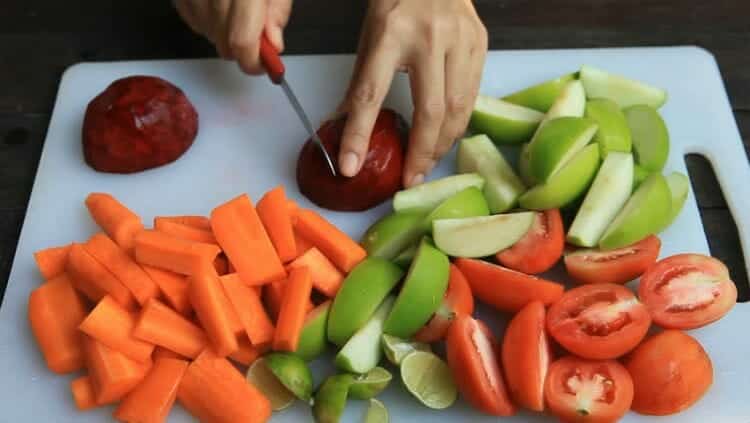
[{"x": 39, "y": 39}]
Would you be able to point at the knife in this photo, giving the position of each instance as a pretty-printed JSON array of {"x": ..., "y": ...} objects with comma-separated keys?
[{"x": 275, "y": 69}]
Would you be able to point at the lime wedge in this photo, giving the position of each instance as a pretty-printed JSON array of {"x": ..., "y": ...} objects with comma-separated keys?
[
  {"x": 370, "y": 384},
  {"x": 292, "y": 372},
  {"x": 396, "y": 348},
  {"x": 330, "y": 400},
  {"x": 429, "y": 379},
  {"x": 263, "y": 378},
  {"x": 376, "y": 412}
]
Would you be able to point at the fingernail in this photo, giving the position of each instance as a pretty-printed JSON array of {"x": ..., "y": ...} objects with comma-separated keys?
[
  {"x": 349, "y": 164},
  {"x": 416, "y": 179}
]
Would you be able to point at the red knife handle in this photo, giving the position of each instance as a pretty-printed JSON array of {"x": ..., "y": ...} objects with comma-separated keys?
[{"x": 271, "y": 60}]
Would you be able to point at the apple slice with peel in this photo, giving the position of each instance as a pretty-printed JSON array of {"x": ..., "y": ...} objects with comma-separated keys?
[
  {"x": 645, "y": 213},
  {"x": 613, "y": 133},
  {"x": 480, "y": 236},
  {"x": 639, "y": 175},
  {"x": 429, "y": 195},
  {"x": 524, "y": 165},
  {"x": 404, "y": 258},
  {"x": 313, "y": 339},
  {"x": 609, "y": 192},
  {"x": 556, "y": 143},
  {"x": 503, "y": 122},
  {"x": 541, "y": 96},
  {"x": 650, "y": 137},
  {"x": 623, "y": 91},
  {"x": 567, "y": 184},
  {"x": 362, "y": 352},
  {"x": 679, "y": 185},
  {"x": 393, "y": 233},
  {"x": 467, "y": 203},
  {"x": 502, "y": 186}
]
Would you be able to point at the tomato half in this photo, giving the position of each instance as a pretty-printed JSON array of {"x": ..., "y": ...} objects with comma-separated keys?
[
  {"x": 613, "y": 266},
  {"x": 540, "y": 248},
  {"x": 687, "y": 291},
  {"x": 588, "y": 391},
  {"x": 671, "y": 371},
  {"x": 600, "y": 321},
  {"x": 526, "y": 356},
  {"x": 458, "y": 300},
  {"x": 472, "y": 358}
]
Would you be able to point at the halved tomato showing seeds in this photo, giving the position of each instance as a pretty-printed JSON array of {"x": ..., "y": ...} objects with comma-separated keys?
[
  {"x": 687, "y": 291},
  {"x": 540, "y": 248},
  {"x": 613, "y": 266},
  {"x": 458, "y": 300}
]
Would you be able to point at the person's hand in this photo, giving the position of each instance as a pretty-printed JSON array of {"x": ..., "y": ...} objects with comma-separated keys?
[
  {"x": 442, "y": 45},
  {"x": 235, "y": 26}
]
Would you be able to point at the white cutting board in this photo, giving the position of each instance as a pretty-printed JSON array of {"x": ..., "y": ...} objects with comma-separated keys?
[{"x": 248, "y": 142}]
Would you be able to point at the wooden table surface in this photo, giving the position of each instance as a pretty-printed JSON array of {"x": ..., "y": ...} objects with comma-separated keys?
[{"x": 40, "y": 38}]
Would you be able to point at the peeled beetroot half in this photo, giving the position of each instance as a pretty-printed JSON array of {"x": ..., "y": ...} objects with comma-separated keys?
[{"x": 137, "y": 123}]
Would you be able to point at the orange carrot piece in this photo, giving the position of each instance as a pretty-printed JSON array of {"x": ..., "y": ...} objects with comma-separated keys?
[
  {"x": 119, "y": 222},
  {"x": 303, "y": 245},
  {"x": 120, "y": 264},
  {"x": 112, "y": 325},
  {"x": 213, "y": 309},
  {"x": 241, "y": 235},
  {"x": 272, "y": 295},
  {"x": 174, "y": 254},
  {"x": 112, "y": 374},
  {"x": 55, "y": 311},
  {"x": 174, "y": 287},
  {"x": 152, "y": 400},
  {"x": 325, "y": 276},
  {"x": 293, "y": 310},
  {"x": 221, "y": 264},
  {"x": 197, "y": 222},
  {"x": 274, "y": 213},
  {"x": 93, "y": 280},
  {"x": 214, "y": 391},
  {"x": 190, "y": 233},
  {"x": 161, "y": 352},
  {"x": 249, "y": 309},
  {"x": 83, "y": 393},
  {"x": 344, "y": 252},
  {"x": 247, "y": 353},
  {"x": 292, "y": 208},
  {"x": 52, "y": 261},
  {"x": 162, "y": 326}
]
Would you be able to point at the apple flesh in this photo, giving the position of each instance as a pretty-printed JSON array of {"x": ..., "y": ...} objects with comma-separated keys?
[
  {"x": 503, "y": 122},
  {"x": 429, "y": 195},
  {"x": 467, "y": 203},
  {"x": 613, "y": 133},
  {"x": 313, "y": 339},
  {"x": 541, "y": 96},
  {"x": 650, "y": 137},
  {"x": 623, "y": 91},
  {"x": 390, "y": 235},
  {"x": 362, "y": 352},
  {"x": 481, "y": 236},
  {"x": 556, "y": 143}
]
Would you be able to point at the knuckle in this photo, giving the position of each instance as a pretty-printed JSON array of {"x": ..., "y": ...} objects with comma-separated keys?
[
  {"x": 457, "y": 103},
  {"x": 356, "y": 139},
  {"x": 238, "y": 41},
  {"x": 364, "y": 94},
  {"x": 482, "y": 36},
  {"x": 431, "y": 111}
]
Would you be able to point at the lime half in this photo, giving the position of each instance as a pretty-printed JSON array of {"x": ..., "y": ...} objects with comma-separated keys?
[
  {"x": 330, "y": 400},
  {"x": 376, "y": 412},
  {"x": 429, "y": 379},
  {"x": 263, "y": 378},
  {"x": 292, "y": 372},
  {"x": 370, "y": 384},
  {"x": 396, "y": 348}
]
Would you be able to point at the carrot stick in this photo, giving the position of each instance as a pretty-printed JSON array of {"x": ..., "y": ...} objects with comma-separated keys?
[
  {"x": 55, "y": 311},
  {"x": 112, "y": 374},
  {"x": 272, "y": 295},
  {"x": 161, "y": 352},
  {"x": 52, "y": 261},
  {"x": 344, "y": 252},
  {"x": 249, "y": 309},
  {"x": 174, "y": 287},
  {"x": 213, "y": 309},
  {"x": 274, "y": 213},
  {"x": 112, "y": 325},
  {"x": 93, "y": 280},
  {"x": 247, "y": 353},
  {"x": 180, "y": 230},
  {"x": 153, "y": 398},
  {"x": 221, "y": 264},
  {"x": 83, "y": 393},
  {"x": 292, "y": 208},
  {"x": 120, "y": 264},
  {"x": 214, "y": 391},
  {"x": 162, "y": 326},
  {"x": 325, "y": 276},
  {"x": 292, "y": 311},
  {"x": 241, "y": 235},
  {"x": 303, "y": 245},
  {"x": 197, "y": 222},
  {"x": 114, "y": 218},
  {"x": 174, "y": 254}
]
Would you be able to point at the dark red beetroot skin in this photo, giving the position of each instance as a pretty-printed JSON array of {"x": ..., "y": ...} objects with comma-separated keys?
[
  {"x": 137, "y": 123},
  {"x": 379, "y": 178}
]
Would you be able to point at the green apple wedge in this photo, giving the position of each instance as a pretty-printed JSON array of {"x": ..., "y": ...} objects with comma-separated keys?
[
  {"x": 567, "y": 184},
  {"x": 524, "y": 165},
  {"x": 540, "y": 96},
  {"x": 623, "y": 91},
  {"x": 429, "y": 195},
  {"x": 467, "y": 203},
  {"x": 421, "y": 294},
  {"x": 502, "y": 186},
  {"x": 393, "y": 233},
  {"x": 404, "y": 258},
  {"x": 313, "y": 339},
  {"x": 481, "y": 236},
  {"x": 650, "y": 137},
  {"x": 639, "y": 175},
  {"x": 679, "y": 185},
  {"x": 503, "y": 122},
  {"x": 612, "y": 187},
  {"x": 362, "y": 352},
  {"x": 361, "y": 293},
  {"x": 645, "y": 213},
  {"x": 613, "y": 133},
  {"x": 556, "y": 143}
]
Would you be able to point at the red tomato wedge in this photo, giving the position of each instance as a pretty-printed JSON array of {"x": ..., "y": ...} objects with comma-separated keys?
[
  {"x": 471, "y": 351},
  {"x": 458, "y": 300},
  {"x": 588, "y": 391},
  {"x": 506, "y": 289},
  {"x": 540, "y": 248},
  {"x": 526, "y": 356},
  {"x": 600, "y": 321},
  {"x": 687, "y": 291},
  {"x": 613, "y": 266}
]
